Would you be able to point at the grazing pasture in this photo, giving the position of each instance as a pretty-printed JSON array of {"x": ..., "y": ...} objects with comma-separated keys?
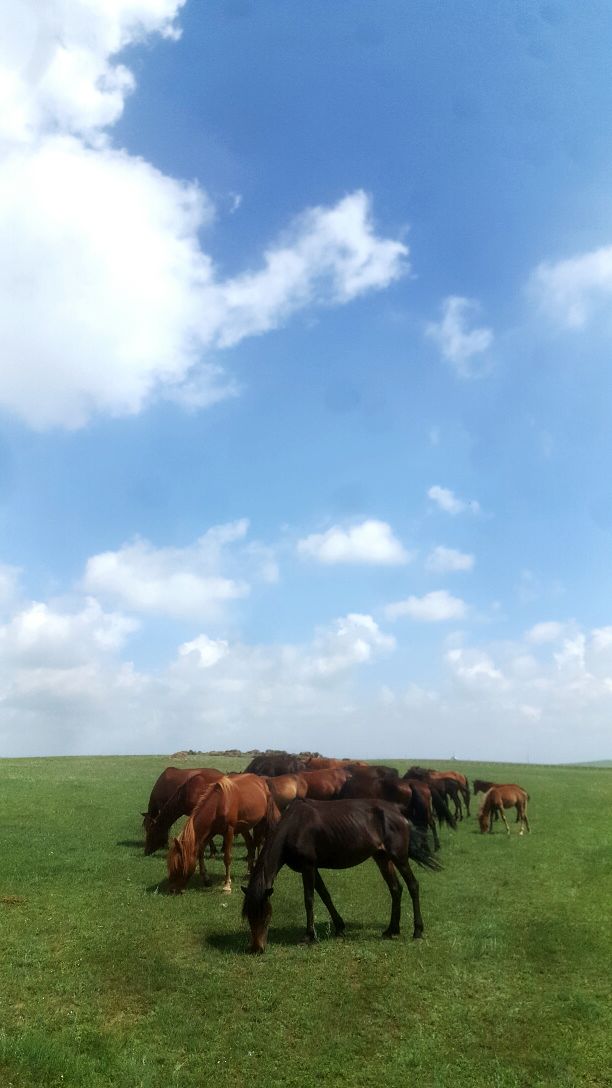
[{"x": 105, "y": 980}]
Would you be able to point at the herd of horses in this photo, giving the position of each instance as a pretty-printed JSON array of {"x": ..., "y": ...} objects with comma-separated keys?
[{"x": 312, "y": 814}]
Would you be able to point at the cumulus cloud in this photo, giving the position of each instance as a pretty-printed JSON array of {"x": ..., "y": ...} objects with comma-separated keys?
[
  {"x": 448, "y": 560},
  {"x": 458, "y": 343},
  {"x": 547, "y": 631},
  {"x": 134, "y": 306},
  {"x": 446, "y": 500},
  {"x": 368, "y": 542},
  {"x": 185, "y": 583},
  {"x": 434, "y": 607},
  {"x": 571, "y": 290}
]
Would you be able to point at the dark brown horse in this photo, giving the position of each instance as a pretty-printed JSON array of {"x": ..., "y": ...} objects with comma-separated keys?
[
  {"x": 497, "y": 799},
  {"x": 180, "y": 803},
  {"x": 228, "y": 806},
  {"x": 315, "y": 835},
  {"x": 271, "y": 764},
  {"x": 448, "y": 785},
  {"x": 323, "y": 763},
  {"x": 480, "y": 785},
  {"x": 414, "y": 798},
  {"x": 169, "y": 781}
]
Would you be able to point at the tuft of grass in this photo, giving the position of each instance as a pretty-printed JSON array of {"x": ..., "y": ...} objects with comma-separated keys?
[{"x": 104, "y": 979}]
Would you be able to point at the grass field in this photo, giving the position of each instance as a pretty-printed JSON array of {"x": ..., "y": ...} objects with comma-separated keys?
[{"x": 106, "y": 982}]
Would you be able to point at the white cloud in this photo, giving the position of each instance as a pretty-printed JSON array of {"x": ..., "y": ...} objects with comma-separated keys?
[
  {"x": 134, "y": 305},
  {"x": 475, "y": 669},
  {"x": 434, "y": 607},
  {"x": 458, "y": 344},
  {"x": 569, "y": 291},
  {"x": 208, "y": 651},
  {"x": 353, "y": 640},
  {"x": 41, "y": 636},
  {"x": 450, "y": 503},
  {"x": 369, "y": 542},
  {"x": 56, "y": 67},
  {"x": 186, "y": 583},
  {"x": 447, "y": 560},
  {"x": 547, "y": 631}
]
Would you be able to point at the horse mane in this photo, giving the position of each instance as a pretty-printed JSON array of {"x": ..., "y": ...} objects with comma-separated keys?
[{"x": 183, "y": 853}]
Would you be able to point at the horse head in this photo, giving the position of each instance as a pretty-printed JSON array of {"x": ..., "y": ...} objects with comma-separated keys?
[{"x": 257, "y": 909}]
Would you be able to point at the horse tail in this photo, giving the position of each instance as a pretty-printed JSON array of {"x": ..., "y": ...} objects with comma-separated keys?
[
  {"x": 418, "y": 809},
  {"x": 420, "y": 851},
  {"x": 442, "y": 810}
]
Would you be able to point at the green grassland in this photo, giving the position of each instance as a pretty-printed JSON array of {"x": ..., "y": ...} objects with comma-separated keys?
[{"x": 106, "y": 981}]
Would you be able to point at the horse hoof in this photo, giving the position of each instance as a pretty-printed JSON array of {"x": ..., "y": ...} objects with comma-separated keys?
[
  {"x": 227, "y": 889},
  {"x": 339, "y": 931},
  {"x": 417, "y": 936},
  {"x": 391, "y": 935},
  {"x": 308, "y": 940}
]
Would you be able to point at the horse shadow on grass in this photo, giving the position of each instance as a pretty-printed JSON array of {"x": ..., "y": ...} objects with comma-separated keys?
[
  {"x": 162, "y": 887},
  {"x": 131, "y": 843},
  {"x": 284, "y": 936}
]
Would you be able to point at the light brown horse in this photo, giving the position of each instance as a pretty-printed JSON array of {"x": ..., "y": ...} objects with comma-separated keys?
[
  {"x": 324, "y": 785},
  {"x": 285, "y": 788},
  {"x": 228, "y": 806},
  {"x": 497, "y": 799}
]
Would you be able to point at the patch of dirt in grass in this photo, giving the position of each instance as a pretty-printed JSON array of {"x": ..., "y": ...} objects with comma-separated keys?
[{"x": 12, "y": 900}]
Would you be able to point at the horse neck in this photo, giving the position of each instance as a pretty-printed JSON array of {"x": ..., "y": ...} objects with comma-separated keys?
[
  {"x": 174, "y": 807},
  {"x": 270, "y": 860}
]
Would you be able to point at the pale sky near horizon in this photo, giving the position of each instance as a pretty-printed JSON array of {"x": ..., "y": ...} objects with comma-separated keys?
[{"x": 305, "y": 378}]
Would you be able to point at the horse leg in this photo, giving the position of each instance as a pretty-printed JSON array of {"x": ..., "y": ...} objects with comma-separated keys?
[
  {"x": 212, "y": 849},
  {"x": 501, "y": 813},
  {"x": 389, "y": 875},
  {"x": 308, "y": 881},
  {"x": 320, "y": 888},
  {"x": 249, "y": 842},
  {"x": 204, "y": 877},
  {"x": 525, "y": 818},
  {"x": 413, "y": 887},
  {"x": 458, "y": 809},
  {"x": 228, "y": 841},
  {"x": 434, "y": 830},
  {"x": 466, "y": 796}
]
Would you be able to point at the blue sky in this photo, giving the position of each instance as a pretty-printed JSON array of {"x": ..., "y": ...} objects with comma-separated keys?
[{"x": 305, "y": 379}]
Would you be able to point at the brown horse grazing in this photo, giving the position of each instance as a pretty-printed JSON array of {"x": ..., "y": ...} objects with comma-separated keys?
[
  {"x": 228, "y": 806},
  {"x": 180, "y": 803},
  {"x": 285, "y": 788},
  {"x": 315, "y": 835},
  {"x": 497, "y": 799},
  {"x": 323, "y": 763},
  {"x": 169, "y": 781},
  {"x": 324, "y": 785}
]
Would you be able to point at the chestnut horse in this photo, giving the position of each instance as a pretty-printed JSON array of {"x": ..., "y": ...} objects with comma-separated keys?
[
  {"x": 169, "y": 781},
  {"x": 497, "y": 799},
  {"x": 228, "y": 806},
  {"x": 285, "y": 788},
  {"x": 315, "y": 835},
  {"x": 181, "y": 802},
  {"x": 326, "y": 784}
]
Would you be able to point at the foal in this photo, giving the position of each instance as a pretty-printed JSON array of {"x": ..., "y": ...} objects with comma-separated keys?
[
  {"x": 336, "y": 835},
  {"x": 497, "y": 799}
]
